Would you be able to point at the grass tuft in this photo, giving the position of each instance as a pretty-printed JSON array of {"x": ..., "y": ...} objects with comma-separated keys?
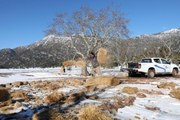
[
  {"x": 104, "y": 80},
  {"x": 130, "y": 90},
  {"x": 49, "y": 114},
  {"x": 167, "y": 85},
  {"x": 54, "y": 97},
  {"x": 93, "y": 112},
  {"x": 175, "y": 93},
  {"x": 19, "y": 95}
]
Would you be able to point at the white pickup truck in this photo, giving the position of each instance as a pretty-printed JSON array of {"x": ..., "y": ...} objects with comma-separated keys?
[{"x": 153, "y": 66}]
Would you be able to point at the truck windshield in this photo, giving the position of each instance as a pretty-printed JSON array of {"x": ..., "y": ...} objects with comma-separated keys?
[
  {"x": 164, "y": 61},
  {"x": 146, "y": 61}
]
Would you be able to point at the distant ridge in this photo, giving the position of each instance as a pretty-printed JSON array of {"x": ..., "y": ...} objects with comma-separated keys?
[{"x": 52, "y": 50}]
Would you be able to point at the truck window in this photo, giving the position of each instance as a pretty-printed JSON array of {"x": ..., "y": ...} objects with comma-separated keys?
[
  {"x": 164, "y": 61},
  {"x": 146, "y": 61},
  {"x": 157, "y": 61}
]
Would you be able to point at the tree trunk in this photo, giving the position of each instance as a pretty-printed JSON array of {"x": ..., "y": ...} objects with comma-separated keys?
[{"x": 84, "y": 71}]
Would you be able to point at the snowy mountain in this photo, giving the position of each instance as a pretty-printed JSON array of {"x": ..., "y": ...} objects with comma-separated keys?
[
  {"x": 52, "y": 50},
  {"x": 162, "y": 35},
  {"x": 49, "y": 40}
]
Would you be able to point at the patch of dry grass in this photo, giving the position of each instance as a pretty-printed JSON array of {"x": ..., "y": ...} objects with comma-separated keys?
[
  {"x": 49, "y": 114},
  {"x": 73, "y": 82},
  {"x": 103, "y": 80},
  {"x": 151, "y": 92},
  {"x": 140, "y": 95},
  {"x": 40, "y": 84},
  {"x": 168, "y": 85},
  {"x": 53, "y": 86},
  {"x": 129, "y": 100},
  {"x": 75, "y": 97},
  {"x": 5, "y": 103},
  {"x": 111, "y": 106},
  {"x": 80, "y": 63},
  {"x": 175, "y": 93},
  {"x": 10, "y": 109},
  {"x": 130, "y": 90},
  {"x": 19, "y": 95},
  {"x": 46, "y": 85},
  {"x": 7, "y": 109},
  {"x": 68, "y": 63},
  {"x": 93, "y": 112},
  {"x": 54, "y": 97},
  {"x": 91, "y": 88},
  {"x": 4, "y": 94}
]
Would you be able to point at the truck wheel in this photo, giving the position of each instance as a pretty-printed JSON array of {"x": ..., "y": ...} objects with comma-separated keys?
[
  {"x": 175, "y": 72},
  {"x": 151, "y": 73}
]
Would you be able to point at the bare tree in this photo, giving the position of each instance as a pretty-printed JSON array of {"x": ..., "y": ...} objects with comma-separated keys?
[
  {"x": 121, "y": 51},
  {"x": 89, "y": 29}
]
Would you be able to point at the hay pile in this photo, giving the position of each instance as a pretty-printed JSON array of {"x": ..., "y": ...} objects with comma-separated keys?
[
  {"x": 92, "y": 112},
  {"x": 102, "y": 56},
  {"x": 168, "y": 85},
  {"x": 175, "y": 93},
  {"x": 130, "y": 90},
  {"x": 103, "y": 80}
]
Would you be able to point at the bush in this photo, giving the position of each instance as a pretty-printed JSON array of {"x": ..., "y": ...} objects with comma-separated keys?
[
  {"x": 92, "y": 112},
  {"x": 130, "y": 90}
]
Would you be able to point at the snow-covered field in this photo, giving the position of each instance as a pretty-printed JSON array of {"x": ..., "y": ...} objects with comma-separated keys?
[
  {"x": 165, "y": 107},
  {"x": 33, "y": 74}
]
